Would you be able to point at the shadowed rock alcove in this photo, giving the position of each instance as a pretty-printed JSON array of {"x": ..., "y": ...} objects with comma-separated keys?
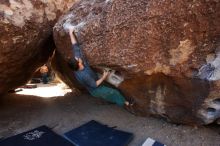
[{"x": 26, "y": 38}]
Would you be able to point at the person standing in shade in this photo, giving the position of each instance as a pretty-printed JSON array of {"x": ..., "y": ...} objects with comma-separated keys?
[
  {"x": 44, "y": 74},
  {"x": 89, "y": 79}
]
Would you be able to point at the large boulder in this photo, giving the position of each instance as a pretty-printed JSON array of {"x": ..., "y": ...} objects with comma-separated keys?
[
  {"x": 166, "y": 51},
  {"x": 26, "y": 37}
]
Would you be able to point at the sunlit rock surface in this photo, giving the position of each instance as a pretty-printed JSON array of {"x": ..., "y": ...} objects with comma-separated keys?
[
  {"x": 26, "y": 37},
  {"x": 166, "y": 51}
]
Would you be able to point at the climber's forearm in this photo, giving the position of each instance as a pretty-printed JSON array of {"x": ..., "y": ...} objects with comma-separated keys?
[
  {"x": 72, "y": 37},
  {"x": 98, "y": 82}
]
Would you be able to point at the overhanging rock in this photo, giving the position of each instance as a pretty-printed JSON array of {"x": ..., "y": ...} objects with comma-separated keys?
[{"x": 159, "y": 47}]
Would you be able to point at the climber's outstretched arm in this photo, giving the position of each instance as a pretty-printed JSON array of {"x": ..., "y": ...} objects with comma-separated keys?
[
  {"x": 77, "y": 52},
  {"x": 72, "y": 36}
]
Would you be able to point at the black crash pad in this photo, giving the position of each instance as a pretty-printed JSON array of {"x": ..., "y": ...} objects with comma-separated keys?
[
  {"x": 96, "y": 134},
  {"x": 41, "y": 136}
]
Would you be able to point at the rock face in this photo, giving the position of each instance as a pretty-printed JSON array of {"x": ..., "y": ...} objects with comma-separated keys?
[
  {"x": 166, "y": 51},
  {"x": 26, "y": 37}
]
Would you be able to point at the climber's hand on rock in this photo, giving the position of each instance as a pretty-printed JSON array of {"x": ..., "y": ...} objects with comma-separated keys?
[
  {"x": 105, "y": 74},
  {"x": 71, "y": 30}
]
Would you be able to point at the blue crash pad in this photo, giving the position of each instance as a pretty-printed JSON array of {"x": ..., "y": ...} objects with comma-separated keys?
[
  {"x": 41, "y": 136},
  {"x": 96, "y": 134}
]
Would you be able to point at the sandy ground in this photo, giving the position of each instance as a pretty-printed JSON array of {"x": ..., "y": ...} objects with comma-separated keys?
[{"x": 19, "y": 113}]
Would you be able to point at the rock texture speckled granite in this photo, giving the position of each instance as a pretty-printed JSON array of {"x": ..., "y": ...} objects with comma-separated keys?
[{"x": 167, "y": 52}]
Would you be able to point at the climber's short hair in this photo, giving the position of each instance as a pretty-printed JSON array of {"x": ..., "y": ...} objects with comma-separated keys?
[{"x": 73, "y": 64}]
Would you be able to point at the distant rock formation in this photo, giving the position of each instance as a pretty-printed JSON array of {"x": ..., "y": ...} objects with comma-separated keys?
[
  {"x": 26, "y": 37},
  {"x": 159, "y": 47}
]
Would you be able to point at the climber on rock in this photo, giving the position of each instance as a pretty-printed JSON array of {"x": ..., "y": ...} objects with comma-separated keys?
[{"x": 89, "y": 79}]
